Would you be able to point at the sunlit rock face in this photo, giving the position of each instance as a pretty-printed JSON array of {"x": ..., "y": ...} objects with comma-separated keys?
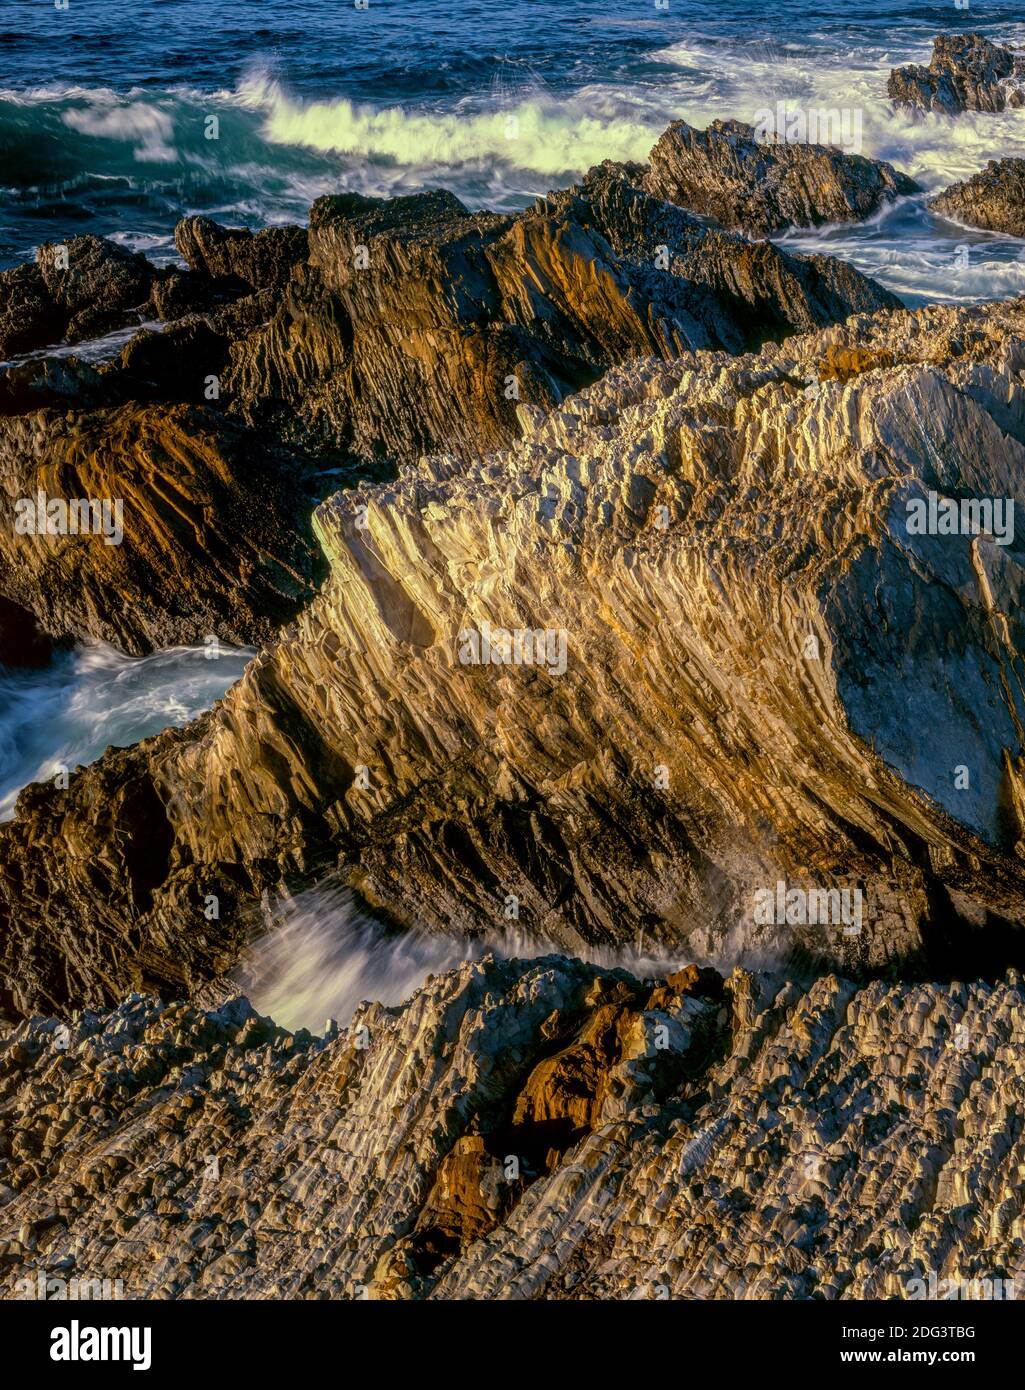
[
  {"x": 694, "y": 654},
  {"x": 525, "y": 1129}
]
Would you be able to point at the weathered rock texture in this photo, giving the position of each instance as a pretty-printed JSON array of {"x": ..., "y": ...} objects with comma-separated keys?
[
  {"x": 416, "y": 326},
  {"x": 760, "y": 187},
  {"x": 767, "y": 676},
  {"x": 525, "y": 1130},
  {"x": 431, "y": 344},
  {"x": 213, "y": 536},
  {"x": 994, "y": 198},
  {"x": 78, "y": 289},
  {"x": 966, "y": 73}
]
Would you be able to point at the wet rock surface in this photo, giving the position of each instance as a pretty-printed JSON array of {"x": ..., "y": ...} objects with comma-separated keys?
[
  {"x": 746, "y": 1139},
  {"x": 993, "y": 199},
  {"x": 763, "y": 186},
  {"x": 751, "y": 670},
  {"x": 965, "y": 73}
]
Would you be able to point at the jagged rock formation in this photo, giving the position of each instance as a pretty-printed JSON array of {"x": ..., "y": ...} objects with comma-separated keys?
[
  {"x": 212, "y": 539},
  {"x": 416, "y": 326},
  {"x": 525, "y": 1129},
  {"x": 760, "y": 187},
  {"x": 452, "y": 323},
  {"x": 994, "y": 198},
  {"x": 965, "y": 73},
  {"x": 750, "y": 669},
  {"x": 79, "y": 289}
]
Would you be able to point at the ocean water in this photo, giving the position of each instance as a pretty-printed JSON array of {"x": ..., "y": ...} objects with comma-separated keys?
[
  {"x": 95, "y": 696},
  {"x": 105, "y": 108}
]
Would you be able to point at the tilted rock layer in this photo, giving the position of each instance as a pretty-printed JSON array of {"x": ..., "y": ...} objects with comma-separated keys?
[
  {"x": 761, "y": 186},
  {"x": 391, "y": 328},
  {"x": 751, "y": 669},
  {"x": 525, "y": 1129}
]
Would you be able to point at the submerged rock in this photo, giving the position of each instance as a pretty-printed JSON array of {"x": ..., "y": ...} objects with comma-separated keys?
[
  {"x": 965, "y": 73},
  {"x": 760, "y": 187},
  {"x": 758, "y": 1141},
  {"x": 994, "y": 198},
  {"x": 677, "y": 652}
]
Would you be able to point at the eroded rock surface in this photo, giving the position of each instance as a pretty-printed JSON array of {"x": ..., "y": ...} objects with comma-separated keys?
[
  {"x": 79, "y": 289},
  {"x": 416, "y": 326},
  {"x": 760, "y": 187},
  {"x": 965, "y": 73},
  {"x": 741, "y": 1139},
  {"x": 994, "y": 198},
  {"x": 751, "y": 670},
  {"x": 451, "y": 324}
]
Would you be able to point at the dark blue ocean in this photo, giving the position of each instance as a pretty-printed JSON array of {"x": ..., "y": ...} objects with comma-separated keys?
[{"x": 105, "y": 108}]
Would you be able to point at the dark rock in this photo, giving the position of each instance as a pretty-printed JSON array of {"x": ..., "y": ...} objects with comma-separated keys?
[
  {"x": 29, "y": 317},
  {"x": 966, "y": 73},
  {"x": 22, "y": 644},
  {"x": 260, "y": 260},
  {"x": 101, "y": 282},
  {"x": 758, "y": 187},
  {"x": 216, "y": 535},
  {"x": 993, "y": 199}
]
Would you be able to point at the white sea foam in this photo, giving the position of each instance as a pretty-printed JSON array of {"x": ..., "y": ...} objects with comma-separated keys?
[{"x": 95, "y": 696}]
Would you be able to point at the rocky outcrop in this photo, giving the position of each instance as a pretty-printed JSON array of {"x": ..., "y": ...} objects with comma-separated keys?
[
  {"x": 79, "y": 289},
  {"x": 746, "y": 1140},
  {"x": 255, "y": 260},
  {"x": 416, "y": 326},
  {"x": 148, "y": 527},
  {"x": 679, "y": 645},
  {"x": 993, "y": 199},
  {"x": 760, "y": 186},
  {"x": 965, "y": 73},
  {"x": 453, "y": 322}
]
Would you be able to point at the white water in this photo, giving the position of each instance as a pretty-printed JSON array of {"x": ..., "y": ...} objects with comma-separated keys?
[
  {"x": 323, "y": 954},
  {"x": 501, "y": 148},
  {"x": 95, "y": 696}
]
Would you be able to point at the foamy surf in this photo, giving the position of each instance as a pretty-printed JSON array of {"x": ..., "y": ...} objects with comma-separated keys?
[{"x": 94, "y": 697}]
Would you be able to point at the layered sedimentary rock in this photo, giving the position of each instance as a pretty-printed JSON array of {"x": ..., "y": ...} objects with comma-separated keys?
[
  {"x": 416, "y": 326},
  {"x": 429, "y": 344},
  {"x": 181, "y": 526},
  {"x": 525, "y": 1129},
  {"x": 965, "y": 73},
  {"x": 994, "y": 198},
  {"x": 678, "y": 646},
  {"x": 761, "y": 186}
]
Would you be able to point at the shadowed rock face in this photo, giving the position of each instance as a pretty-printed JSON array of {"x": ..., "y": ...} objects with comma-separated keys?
[
  {"x": 761, "y": 187},
  {"x": 737, "y": 664},
  {"x": 741, "y": 1139},
  {"x": 966, "y": 73},
  {"x": 212, "y": 534},
  {"x": 90, "y": 295},
  {"x": 993, "y": 199}
]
